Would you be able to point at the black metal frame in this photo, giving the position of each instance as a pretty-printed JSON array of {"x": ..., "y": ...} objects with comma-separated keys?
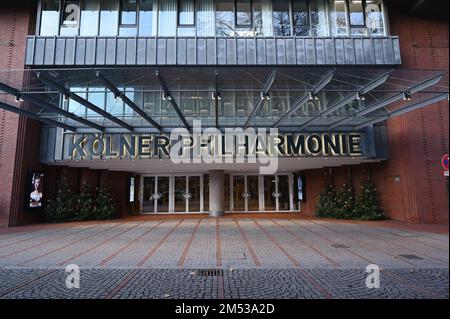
[{"x": 138, "y": 2}]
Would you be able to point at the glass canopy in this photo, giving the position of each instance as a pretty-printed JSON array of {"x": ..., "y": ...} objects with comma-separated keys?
[{"x": 147, "y": 99}]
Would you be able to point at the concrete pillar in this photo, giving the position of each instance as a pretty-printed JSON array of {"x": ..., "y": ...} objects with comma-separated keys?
[{"x": 216, "y": 194}]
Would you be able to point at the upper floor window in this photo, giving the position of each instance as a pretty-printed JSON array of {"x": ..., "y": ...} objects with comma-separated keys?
[
  {"x": 244, "y": 15},
  {"x": 222, "y": 18},
  {"x": 281, "y": 18},
  {"x": 186, "y": 12},
  {"x": 128, "y": 12},
  {"x": 49, "y": 17}
]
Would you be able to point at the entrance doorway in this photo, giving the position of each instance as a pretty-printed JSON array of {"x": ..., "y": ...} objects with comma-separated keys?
[
  {"x": 172, "y": 194},
  {"x": 257, "y": 193}
]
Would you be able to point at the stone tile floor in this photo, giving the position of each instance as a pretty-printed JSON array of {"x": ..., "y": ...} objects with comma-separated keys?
[{"x": 259, "y": 258}]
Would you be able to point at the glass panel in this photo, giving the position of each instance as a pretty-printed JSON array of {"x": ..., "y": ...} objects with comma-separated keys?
[
  {"x": 205, "y": 18},
  {"x": 262, "y": 17},
  {"x": 97, "y": 97},
  {"x": 239, "y": 193},
  {"x": 319, "y": 19},
  {"x": 338, "y": 17},
  {"x": 109, "y": 16},
  {"x": 283, "y": 190},
  {"x": 180, "y": 193},
  {"x": 374, "y": 19},
  {"x": 356, "y": 12},
  {"x": 89, "y": 18},
  {"x": 149, "y": 190},
  {"x": 194, "y": 192},
  {"x": 224, "y": 18},
  {"x": 253, "y": 192},
  {"x": 128, "y": 11},
  {"x": 186, "y": 12},
  {"x": 167, "y": 18},
  {"x": 244, "y": 13},
  {"x": 281, "y": 18},
  {"x": 70, "y": 18},
  {"x": 146, "y": 18},
  {"x": 300, "y": 16},
  {"x": 50, "y": 17},
  {"x": 163, "y": 194},
  {"x": 270, "y": 202},
  {"x": 75, "y": 107},
  {"x": 206, "y": 193},
  {"x": 114, "y": 106}
]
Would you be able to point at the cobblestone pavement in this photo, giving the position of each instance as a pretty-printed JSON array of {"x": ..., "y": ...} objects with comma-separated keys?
[
  {"x": 253, "y": 258},
  {"x": 237, "y": 284}
]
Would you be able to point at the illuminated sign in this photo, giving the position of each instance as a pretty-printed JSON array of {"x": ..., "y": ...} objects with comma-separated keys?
[{"x": 147, "y": 146}]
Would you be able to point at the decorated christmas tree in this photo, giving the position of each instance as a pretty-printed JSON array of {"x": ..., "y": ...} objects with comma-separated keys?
[
  {"x": 345, "y": 200},
  {"x": 103, "y": 207},
  {"x": 63, "y": 206},
  {"x": 367, "y": 205},
  {"x": 326, "y": 205},
  {"x": 84, "y": 203}
]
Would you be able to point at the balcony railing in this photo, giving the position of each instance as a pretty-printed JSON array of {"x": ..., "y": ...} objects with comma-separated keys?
[{"x": 116, "y": 51}]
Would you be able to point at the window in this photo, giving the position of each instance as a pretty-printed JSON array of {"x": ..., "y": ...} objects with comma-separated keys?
[
  {"x": 300, "y": 17},
  {"x": 244, "y": 13},
  {"x": 49, "y": 18},
  {"x": 128, "y": 12},
  {"x": 356, "y": 11},
  {"x": 70, "y": 18},
  {"x": 225, "y": 18},
  {"x": 109, "y": 15},
  {"x": 186, "y": 12},
  {"x": 375, "y": 18},
  {"x": 146, "y": 18},
  {"x": 281, "y": 18},
  {"x": 89, "y": 18},
  {"x": 338, "y": 17}
]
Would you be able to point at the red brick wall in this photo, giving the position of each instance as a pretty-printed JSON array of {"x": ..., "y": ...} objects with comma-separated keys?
[{"x": 14, "y": 27}]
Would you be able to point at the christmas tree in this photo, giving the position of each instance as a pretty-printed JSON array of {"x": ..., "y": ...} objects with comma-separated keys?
[
  {"x": 62, "y": 207},
  {"x": 103, "y": 207},
  {"x": 345, "y": 201},
  {"x": 367, "y": 205},
  {"x": 84, "y": 203},
  {"x": 326, "y": 205}
]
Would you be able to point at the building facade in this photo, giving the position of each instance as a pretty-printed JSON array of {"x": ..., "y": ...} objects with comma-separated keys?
[{"x": 219, "y": 106}]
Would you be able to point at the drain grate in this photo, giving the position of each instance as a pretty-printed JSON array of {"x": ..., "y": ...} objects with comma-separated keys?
[
  {"x": 210, "y": 272},
  {"x": 340, "y": 246},
  {"x": 411, "y": 257}
]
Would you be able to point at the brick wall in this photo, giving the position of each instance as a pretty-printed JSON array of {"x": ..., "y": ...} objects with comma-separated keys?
[{"x": 14, "y": 27}]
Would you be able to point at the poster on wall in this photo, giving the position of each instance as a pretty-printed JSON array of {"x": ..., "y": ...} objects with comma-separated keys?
[
  {"x": 301, "y": 188},
  {"x": 36, "y": 193},
  {"x": 132, "y": 183}
]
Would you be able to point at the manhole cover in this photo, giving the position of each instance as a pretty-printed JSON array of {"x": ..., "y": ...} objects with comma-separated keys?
[
  {"x": 210, "y": 272},
  {"x": 340, "y": 246},
  {"x": 411, "y": 257}
]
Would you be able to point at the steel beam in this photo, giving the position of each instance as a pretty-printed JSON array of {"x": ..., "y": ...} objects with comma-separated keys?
[
  {"x": 34, "y": 116},
  {"x": 390, "y": 100},
  {"x": 52, "y": 108},
  {"x": 326, "y": 79},
  {"x": 264, "y": 92},
  {"x": 172, "y": 101},
  {"x": 127, "y": 101},
  {"x": 406, "y": 109},
  {"x": 61, "y": 89}
]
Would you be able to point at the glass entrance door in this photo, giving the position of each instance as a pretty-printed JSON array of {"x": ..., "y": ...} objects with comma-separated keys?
[
  {"x": 172, "y": 194},
  {"x": 156, "y": 193}
]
